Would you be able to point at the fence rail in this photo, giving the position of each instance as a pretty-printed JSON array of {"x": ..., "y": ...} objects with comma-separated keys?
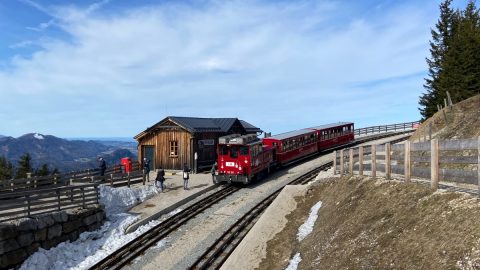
[
  {"x": 450, "y": 160},
  {"x": 386, "y": 128},
  {"x": 29, "y": 203},
  {"x": 114, "y": 174}
]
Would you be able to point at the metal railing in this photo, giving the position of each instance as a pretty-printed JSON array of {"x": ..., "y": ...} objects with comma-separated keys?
[{"x": 386, "y": 128}]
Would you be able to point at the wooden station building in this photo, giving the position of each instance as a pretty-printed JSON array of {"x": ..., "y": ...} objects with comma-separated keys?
[{"x": 175, "y": 141}]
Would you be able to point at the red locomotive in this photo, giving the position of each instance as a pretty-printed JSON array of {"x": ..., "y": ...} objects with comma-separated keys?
[{"x": 244, "y": 158}]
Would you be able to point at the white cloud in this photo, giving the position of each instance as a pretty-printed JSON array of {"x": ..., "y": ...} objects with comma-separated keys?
[{"x": 277, "y": 65}]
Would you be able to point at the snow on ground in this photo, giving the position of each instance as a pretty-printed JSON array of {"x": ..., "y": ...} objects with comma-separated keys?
[
  {"x": 307, "y": 227},
  {"x": 293, "y": 264},
  {"x": 38, "y": 136},
  {"x": 91, "y": 247}
]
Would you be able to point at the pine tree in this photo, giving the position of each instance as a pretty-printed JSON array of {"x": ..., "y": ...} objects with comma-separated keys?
[
  {"x": 441, "y": 37},
  {"x": 6, "y": 169},
  {"x": 24, "y": 166},
  {"x": 55, "y": 171},
  {"x": 43, "y": 171},
  {"x": 454, "y": 65}
]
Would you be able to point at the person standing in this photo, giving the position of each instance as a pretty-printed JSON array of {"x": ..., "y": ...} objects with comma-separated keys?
[
  {"x": 186, "y": 176},
  {"x": 160, "y": 178},
  {"x": 102, "y": 166},
  {"x": 213, "y": 170},
  {"x": 146, "y": 168}
]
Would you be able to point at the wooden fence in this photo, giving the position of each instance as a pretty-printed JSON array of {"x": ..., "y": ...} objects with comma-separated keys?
[
  {"x": 386, "y": 128},
  {"x": 450, "y": 160},
  {"x": 14, "y": 205},
  {"x": 112, "y": 175}
]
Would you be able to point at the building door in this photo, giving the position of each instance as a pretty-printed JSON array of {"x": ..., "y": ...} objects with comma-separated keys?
[{"x": 149, "y": 152}]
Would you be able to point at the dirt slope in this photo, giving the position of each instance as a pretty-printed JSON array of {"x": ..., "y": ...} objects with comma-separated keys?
[
  {"x": 463, "y": 122},
  {"x": 375, "y": 224}
]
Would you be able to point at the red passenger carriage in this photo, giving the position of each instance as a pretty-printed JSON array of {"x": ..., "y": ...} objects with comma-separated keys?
[
  {"x": 243, "y": 158},
  {"x": 293, "y": 145},
  {"x": 332, "y": 135}
]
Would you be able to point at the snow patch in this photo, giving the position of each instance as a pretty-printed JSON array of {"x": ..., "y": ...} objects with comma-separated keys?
[
  {"x": 93, "y": 246},
  {"x": 38, "y": 136},
  {"x": 119, "y": 200},
  {"x": 307, "y": 227},
  {"x": 293, "y": 264}
]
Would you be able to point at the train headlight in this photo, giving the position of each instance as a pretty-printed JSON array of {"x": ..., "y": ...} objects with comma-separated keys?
[{"x": 240, "y": 168}]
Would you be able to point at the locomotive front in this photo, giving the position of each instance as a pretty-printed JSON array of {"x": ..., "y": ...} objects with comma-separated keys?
[{"x": 235, "y": 153}]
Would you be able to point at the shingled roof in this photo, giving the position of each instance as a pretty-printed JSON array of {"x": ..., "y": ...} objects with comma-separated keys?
[{"x": 198, "y": 125}]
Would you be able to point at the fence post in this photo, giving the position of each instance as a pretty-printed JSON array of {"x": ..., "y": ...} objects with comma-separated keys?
[
  {"x": 143, "y": 177},
  {"x": 335, "y": 162},
  {"x": 407, "y": 166},
  {"x": 58, "y": 198},
  {"x": 430, "y": 131},
  {"x": 374, "y": 160},
  {"x": 128, "y": 179},
  {"x": 350, "y": 159},
  {"x": 360, "y": 160},
  {"x": 341, "y": 162},
  {"x": 434, "y": 163},
  {"x": 478, "y": 164},
  {"x": 111, "y": 179},
  {"x": 388, "y": 163}
]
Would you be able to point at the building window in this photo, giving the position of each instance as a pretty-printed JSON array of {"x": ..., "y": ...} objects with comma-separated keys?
[{"x": 173, "y": 148}]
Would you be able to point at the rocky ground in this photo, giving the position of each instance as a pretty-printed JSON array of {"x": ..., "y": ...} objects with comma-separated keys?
[{"x": 376, "y": 224}]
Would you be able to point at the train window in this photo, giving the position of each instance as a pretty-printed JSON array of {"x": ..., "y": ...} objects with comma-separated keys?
[
  {"x": 244, "y": 150},
  {"x": 234, "y": 152},
  {"x": 223, "y": 150}
]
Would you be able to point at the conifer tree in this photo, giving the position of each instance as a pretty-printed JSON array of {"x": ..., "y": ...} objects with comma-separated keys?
[
  {"x": 441, "y": 37},
  {"x": 461, "y": 76},
  {"x": 6, "y": 169},
  {"x": 24, "y": 166},
  {"x": 454, "y": 64},
  {"x": 55, "y": 171},
  {"x": 43, "y": 171}
]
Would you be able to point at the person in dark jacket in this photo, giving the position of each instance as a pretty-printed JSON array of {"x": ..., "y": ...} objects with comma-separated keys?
[
  {"x": 186, "y": 176},
  {"x": 160, "y": 178},
  {"x": 213, "y": 170},
  {"x": 102, "y": 166},
  {"x": 146, "y": 168}
]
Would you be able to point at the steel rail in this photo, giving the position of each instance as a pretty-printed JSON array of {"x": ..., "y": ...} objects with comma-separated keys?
[
  {"x": 218, "y": 253},
  {"x": 137, "y": 246}
]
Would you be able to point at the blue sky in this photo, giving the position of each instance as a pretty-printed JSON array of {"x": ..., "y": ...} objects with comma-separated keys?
[{"x": 114, "y": 68}]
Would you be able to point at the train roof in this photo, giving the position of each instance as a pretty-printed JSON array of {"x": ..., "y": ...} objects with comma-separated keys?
[
  {"x": 290, "y": 134},
  {"x": 331, "y": 125}
]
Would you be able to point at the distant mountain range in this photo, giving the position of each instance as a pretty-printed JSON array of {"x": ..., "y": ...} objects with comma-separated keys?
[{"x": 66, "y": 155}]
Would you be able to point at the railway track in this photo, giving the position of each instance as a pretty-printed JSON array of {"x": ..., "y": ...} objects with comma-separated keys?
[
  {"x": 139, "y": 245},
  {"x": 218, "y": 253},
  {"x": 135, "y": 248}
]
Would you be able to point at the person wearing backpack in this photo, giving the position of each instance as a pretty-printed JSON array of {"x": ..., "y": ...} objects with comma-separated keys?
[
  {"x": 146, "y": 168},
  {"x": 160, "y": 178},
  {"x": 186, "y": 176}
]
